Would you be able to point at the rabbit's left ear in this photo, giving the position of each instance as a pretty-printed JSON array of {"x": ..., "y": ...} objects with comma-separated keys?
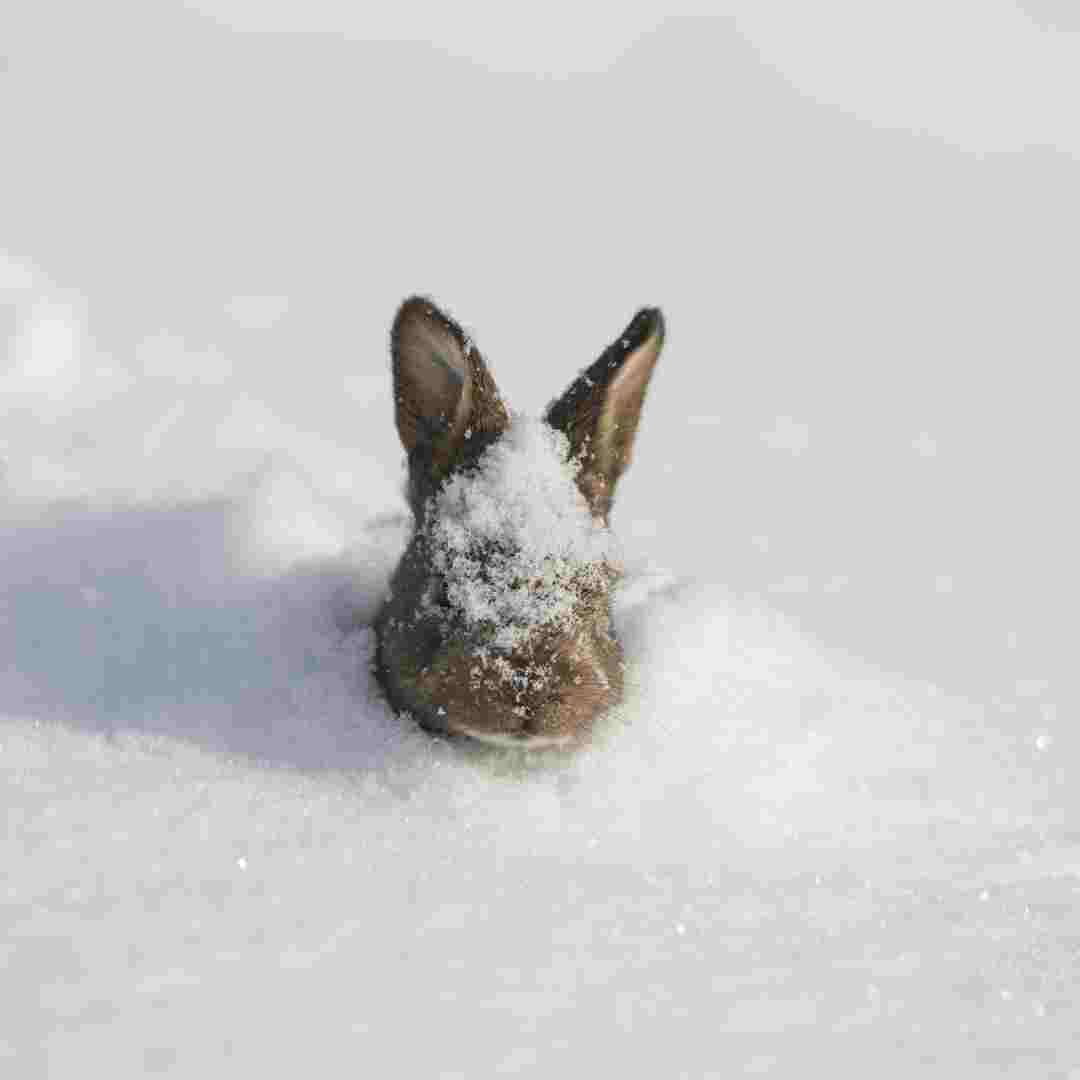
[
  {"x": 599, "y": 413},
  {"x": 444, "y": 395}
]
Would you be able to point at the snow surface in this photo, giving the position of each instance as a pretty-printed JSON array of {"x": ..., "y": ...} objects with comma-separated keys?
[{"x": 834, "y": 830}]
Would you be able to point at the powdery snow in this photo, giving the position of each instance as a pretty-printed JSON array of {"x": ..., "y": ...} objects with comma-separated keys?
[
  {"x": 222, "y": 852},
  {"x": 514, "y": 538}
]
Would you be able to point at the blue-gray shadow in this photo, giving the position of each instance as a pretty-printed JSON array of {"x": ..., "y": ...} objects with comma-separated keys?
[{"x": 143, "y": 620}]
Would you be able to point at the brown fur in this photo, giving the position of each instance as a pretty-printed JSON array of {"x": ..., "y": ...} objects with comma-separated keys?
[{"x": 448, "y": 411}]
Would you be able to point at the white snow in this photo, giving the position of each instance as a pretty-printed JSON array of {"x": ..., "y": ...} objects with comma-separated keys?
[
  {"x": 833, "y": 831},
  {"x": 514, "y": 539}
]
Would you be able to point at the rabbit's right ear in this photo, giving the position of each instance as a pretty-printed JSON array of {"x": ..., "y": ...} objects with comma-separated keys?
[
  {"x": 444, "y": 394},
  {"x": 600, "y": 411}
]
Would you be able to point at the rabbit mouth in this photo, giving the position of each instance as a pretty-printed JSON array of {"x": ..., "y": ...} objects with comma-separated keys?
[{"x": 518, "y": 740}]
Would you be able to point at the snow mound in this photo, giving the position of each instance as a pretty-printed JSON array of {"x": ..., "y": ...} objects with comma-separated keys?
[{"x": 514, "y": 538}]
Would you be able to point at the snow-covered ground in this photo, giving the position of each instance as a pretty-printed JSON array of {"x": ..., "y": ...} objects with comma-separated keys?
[{"x": 834, "y": 831}]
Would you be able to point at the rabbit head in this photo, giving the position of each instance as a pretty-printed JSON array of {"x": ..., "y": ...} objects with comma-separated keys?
[{"x": 497, "y": 624}]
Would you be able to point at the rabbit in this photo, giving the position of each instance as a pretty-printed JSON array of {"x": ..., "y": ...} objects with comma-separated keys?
[{"x": 497, "y": 622}]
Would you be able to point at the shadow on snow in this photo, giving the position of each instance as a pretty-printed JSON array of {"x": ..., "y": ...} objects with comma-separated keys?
[{"x": 150, "y": 620}]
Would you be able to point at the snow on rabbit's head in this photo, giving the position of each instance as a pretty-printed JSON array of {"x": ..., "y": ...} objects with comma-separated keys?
[{"x": 498, "y": 621}]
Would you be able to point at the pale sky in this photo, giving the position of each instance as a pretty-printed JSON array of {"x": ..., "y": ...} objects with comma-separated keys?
[{"x": 985, "y": 74}]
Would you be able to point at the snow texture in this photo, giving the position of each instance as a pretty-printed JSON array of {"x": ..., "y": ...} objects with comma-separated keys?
[
  {"x": 834, "y": 829},
  {"x": 514, "y": 539}
]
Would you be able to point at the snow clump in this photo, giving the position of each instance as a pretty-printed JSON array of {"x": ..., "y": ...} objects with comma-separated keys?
[{"x": 514, "y": 539}]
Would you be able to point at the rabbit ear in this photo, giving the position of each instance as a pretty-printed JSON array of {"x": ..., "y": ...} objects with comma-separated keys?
[
  {"x": 599, "y": 412},
  {"x": 443, "y": 391}
]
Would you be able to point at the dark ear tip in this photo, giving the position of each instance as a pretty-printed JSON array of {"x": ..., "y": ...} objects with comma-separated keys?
[
  {"x": 414, "y": 307},
  {"x": 647, "y": 325},
  {"x": 420, "y": 310},
  {"x": 658, "y": 323}
]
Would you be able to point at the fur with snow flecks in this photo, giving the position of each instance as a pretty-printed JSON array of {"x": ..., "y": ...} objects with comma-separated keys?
[{"x": 498, "y": 623}]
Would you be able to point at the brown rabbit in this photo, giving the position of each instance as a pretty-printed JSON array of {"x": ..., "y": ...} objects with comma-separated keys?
[{"x": 497, "y": 625}]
